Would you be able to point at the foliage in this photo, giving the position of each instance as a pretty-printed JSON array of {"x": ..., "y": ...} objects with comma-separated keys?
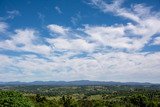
[
  {"x": 13, "y": 99},
  {"x": 81, "y": 96}
]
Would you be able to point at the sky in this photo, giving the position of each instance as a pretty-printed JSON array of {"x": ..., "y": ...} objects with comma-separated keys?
[{"x": 67, "y": 40}]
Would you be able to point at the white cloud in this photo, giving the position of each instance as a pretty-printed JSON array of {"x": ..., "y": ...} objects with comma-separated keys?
[
  {"x": 109, "y": 36},
  {"x": 58, "y": 29},
  {"x": 4, "y": 60},
  {"x": 112, "y": 66},
  {"x": 132, "y": 36},
  {"x": 25, "y": 40},
  {"x": 3, "y": 27},
  {"x": 115, "y": 8},
  {"x": 71, "y": 44},
  {"x": 92, "y": 52},
  {"x": 58, "y": 9}
]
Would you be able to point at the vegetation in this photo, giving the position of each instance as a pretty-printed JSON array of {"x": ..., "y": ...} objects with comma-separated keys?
[
  {"x": 13, "y": 99},
  {"x": 80, "y": 96}
]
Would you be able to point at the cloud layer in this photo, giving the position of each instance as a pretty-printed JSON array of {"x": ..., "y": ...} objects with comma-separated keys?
[{"x": 108, "y": 53}]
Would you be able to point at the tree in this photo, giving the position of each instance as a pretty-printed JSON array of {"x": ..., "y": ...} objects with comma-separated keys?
[
  {"x": 13, "y": 99},
  {"x": 66, "y": 101},
  {"x": 139, "y": 100}
]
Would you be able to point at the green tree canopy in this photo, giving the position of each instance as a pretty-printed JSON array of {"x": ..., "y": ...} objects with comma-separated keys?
[{"x": 13, "y": 99}]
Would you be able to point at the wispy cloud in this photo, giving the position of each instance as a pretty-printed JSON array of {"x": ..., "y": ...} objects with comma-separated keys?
[
  {"x": 71, "y": 44},
  {"x": 25, "y": 40},
  {"x": 13, "y": 13},
  {"x": 10, "y": 14},
  {"x": 58, "y": 9},
  {"x": 93, "y": 52},
  {"x": 3, "y": 27},
  {"x": 114, "y": 7},
  {"x": 41, "y": 17},
  {"x": 109, "y": 65},
  {"x": 120, "y": 36},
  {"x": 76, "y": 18}
]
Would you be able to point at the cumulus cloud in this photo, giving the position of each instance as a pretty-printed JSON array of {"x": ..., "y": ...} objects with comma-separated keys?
[
  {"x": 71, "y": 44},
  {"x": 25, "y": 40},
  {"x": 58, "y": 29},
  {"x": 92, "y": 52}
]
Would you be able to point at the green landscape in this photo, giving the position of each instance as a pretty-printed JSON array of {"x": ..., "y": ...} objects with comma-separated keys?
[
  {"x": 80, "y": 96},
  {"x": 79, "y": 53}
]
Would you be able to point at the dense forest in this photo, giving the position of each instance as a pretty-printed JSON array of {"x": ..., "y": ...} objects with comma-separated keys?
[{"x": 79, "y": 96}]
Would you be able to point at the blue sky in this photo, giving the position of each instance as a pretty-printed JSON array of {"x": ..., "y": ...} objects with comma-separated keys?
[{"x": 104, "y": 40}]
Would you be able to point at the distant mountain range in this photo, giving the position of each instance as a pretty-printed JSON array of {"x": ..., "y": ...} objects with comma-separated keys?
[{"x": 74, "y": 83}]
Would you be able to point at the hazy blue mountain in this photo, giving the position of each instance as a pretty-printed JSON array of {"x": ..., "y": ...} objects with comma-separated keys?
[{"x": 78, "y": 83}]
